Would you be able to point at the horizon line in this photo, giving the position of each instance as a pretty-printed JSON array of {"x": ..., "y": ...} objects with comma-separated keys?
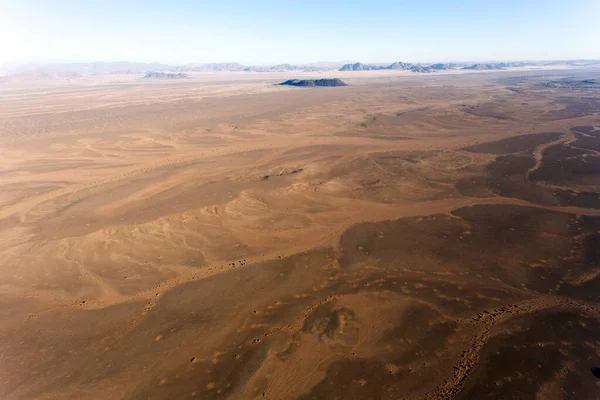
[{"x": 98, "y": 61}]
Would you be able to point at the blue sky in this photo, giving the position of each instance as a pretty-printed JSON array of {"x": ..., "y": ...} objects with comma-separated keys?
[{"x": 302, "y": 31}]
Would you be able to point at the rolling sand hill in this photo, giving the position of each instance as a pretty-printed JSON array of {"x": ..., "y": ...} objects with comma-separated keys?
[{"x": 410, "y": 236}]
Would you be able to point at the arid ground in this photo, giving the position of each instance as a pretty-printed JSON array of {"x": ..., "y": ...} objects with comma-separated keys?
[{"x": 406, "y": 236}]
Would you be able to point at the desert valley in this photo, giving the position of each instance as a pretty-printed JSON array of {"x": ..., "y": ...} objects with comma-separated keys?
[{"x": 222, "y": 236}]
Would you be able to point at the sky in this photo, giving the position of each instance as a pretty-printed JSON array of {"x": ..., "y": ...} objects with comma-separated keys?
[{"x": 261, "y": 32}]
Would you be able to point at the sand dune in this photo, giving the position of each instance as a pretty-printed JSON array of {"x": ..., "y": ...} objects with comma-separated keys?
[{"x": 402, "y": 237}]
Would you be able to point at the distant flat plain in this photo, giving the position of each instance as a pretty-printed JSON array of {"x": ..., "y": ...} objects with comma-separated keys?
[{"x": 406, "y": 236}]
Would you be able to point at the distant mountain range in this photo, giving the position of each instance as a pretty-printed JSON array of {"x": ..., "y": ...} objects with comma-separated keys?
[
  {"x": 441, "y": 66},
  {"x": 166, "y": 75},
  {"x": 484, "y": 67},
  {"x": 79, "y": 70},
  {"x": 359, "y": 67},
  {"x": 211, "y": 67},
  {"x": 124, "y": 67}
]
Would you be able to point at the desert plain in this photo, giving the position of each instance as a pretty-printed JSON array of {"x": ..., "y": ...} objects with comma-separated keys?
[{"x": 406, "y": 236}]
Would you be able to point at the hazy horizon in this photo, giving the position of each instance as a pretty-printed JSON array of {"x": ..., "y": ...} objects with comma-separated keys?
[
  {"x": 387, "y": 62},
  {"x": 268, "y": 32}
]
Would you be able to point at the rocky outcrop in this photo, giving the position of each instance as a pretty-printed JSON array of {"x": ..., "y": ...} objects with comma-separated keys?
[{"x": 314, "y": 82}]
